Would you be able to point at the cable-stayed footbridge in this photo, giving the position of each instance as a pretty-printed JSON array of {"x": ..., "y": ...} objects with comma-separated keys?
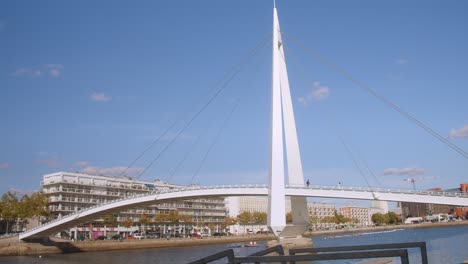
[{"x": 285, "y": 175}]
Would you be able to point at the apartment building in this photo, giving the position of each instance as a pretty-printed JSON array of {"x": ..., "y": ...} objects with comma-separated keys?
[
  {"x": 71, "y": 192},
  {"x": 238, "y": 204},
  {"x": 318, "y": 212},
  {"x": 359, "y": 214}
]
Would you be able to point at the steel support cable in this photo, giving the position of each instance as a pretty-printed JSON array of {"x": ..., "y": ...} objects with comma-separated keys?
[
  {"x": 177, "y": 120},
  {"x": 348, "y": 149},
  {"x": 211, "y": 99},
  {"x": 331, "y": 116},
  {"x": 223, "y": 125},
  {"x": 187, "y": 154},
  {"x": 381, "y": 98}
]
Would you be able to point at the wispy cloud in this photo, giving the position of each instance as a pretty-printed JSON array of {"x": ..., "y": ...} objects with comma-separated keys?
[
  {"x": 53, "y": 163},
  {"x": 82, "y": 164},
  {"x": 4, "y": 165},
  {"x": 27, "y": 72},
  {"x": 99, "y": 97},
  {"x": 53, "y": 70},
  {"x": 412, "y": 171},
  {"x": 400, "y": 61},
  {"x": 319, "y": 92},
  {"x": 459, "y": 133},
  {"x": 112, "y": 171}
]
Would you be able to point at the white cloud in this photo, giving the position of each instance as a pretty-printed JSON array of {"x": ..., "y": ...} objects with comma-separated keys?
[
  {"x": 400, "y": 60},
  {"x": 82, "y": 164},
  {"x": 412, "y": 171},
  {"x": 99, "y": 97},
  {"x": 27, "y": 72},
  {"x": 54, "y": 70},
  {"x": 50, "y": 162},
  {"x": 112, "y": 171},
  {"x": 4, "y": 165},
  {"x": 459, "y": 133},
  {"x": 319, "y": 92}
]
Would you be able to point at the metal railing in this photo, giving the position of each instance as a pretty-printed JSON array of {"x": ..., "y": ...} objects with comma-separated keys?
[
  {"x": 420, "y": 245},
  {"x": 309, "y": 254}
]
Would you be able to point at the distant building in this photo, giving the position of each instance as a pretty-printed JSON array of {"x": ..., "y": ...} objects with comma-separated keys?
[
  {"x": 380, "y": 205},
  {"x": 72, "y": 192},
  {"x": 238, "y": 204},
  {"x": 319, "y": 212},
  {"x": 360, "y": 215},
  {"x": 423, "y": 209}
]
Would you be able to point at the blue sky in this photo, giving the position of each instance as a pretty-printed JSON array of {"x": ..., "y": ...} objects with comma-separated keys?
[{"x": 88, "y": 86}]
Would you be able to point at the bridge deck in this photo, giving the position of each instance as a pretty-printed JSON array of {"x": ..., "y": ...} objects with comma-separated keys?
[{"x": 115, "y": 206}]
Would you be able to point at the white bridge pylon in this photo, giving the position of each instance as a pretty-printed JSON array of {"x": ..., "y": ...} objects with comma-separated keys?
[
  {"x": 116, "y": 206},
  {"x": 282, "y": 116}
]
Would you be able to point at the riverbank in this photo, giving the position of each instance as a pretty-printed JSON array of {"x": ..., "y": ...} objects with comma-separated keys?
[
  {"x": 13, "y": 247},
  {"x": 383, "y": 228}
]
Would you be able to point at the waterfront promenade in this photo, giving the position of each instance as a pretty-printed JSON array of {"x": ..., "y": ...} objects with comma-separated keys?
[{"x": 13, "y": 247}]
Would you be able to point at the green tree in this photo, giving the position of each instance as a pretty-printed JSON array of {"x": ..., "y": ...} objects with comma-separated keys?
[
  {"x": 109, "y": 220},
  {"x": 39, "y": 204},
  {"x": 245, "y": 218},
  {"x": 161, "y": 218},
  {"x": 341, "y": 219},
  {"x": 9, "y": 209},
  {"x": 328, "y": 220},
  {"x": 144, "y": 221},
  {"x": 378, "y": 219},
  {"x": 127, "y": 222},
  {"x": 392, "y": 218},
  {"x": 259, "y": 218},
  {"x": 228, "y": 221}
]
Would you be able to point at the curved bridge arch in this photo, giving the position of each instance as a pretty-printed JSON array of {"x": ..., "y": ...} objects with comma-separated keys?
[{"x": 119, "y": 205}]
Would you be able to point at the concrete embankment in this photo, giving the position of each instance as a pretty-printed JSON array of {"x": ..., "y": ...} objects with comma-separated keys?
[{"x": 14, "y": 247}]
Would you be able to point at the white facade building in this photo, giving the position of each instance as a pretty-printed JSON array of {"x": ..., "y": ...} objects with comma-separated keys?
[
  {"x": 72, "y": 192},
  {"x": 318, "y": 212},
  {"x": 238, "y": 204},
  {"x": 359, "y": 214}
]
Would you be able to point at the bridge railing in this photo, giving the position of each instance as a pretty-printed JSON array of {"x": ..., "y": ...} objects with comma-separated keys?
[{"x": 377, "y": 189}]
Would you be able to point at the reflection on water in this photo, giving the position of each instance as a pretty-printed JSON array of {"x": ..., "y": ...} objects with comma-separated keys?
[{"x": 445, "y": 245}]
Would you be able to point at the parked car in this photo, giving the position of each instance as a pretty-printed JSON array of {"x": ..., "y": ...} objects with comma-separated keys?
[
  {"x": 219, "y": 234},
  {"x": 130, "y": 237},
  {"x": 139, "y": 236},
  {"x": 197, "y": 235},
  {"x": 116, "y": 237},
  {"x": 101, "y": 238}
]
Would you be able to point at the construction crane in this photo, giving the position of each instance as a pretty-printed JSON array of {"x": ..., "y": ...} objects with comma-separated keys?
[{"x": 413, "y": 180}]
